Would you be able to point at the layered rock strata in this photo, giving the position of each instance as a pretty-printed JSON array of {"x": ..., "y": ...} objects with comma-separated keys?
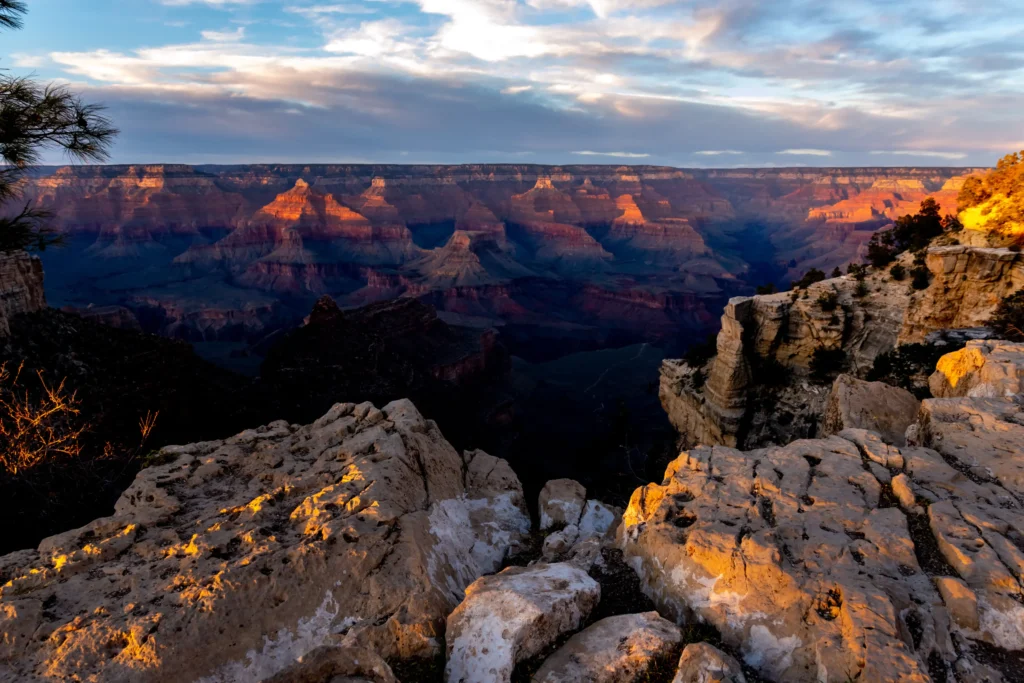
[{"x": 858, "y": 321}]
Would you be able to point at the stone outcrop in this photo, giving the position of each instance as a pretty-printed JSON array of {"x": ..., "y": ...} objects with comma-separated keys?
[
  {"x": 514, "y": 615},
  {"x": 785, "y": 330},
  {"x": 875, "y": 406},
  {"x": 966, "y": 287},
  {"x": 21, "y": 287},
  {"x": 981, "y": 369},
  {"x": 703, "y": 663},
  {"x": 561, "y": 503},
  {"x": 228, "y": 560},
  {"x": 801, "y": 560},
  {"x": 619, "y": 649},
  {"x": 984, "y": 435}
]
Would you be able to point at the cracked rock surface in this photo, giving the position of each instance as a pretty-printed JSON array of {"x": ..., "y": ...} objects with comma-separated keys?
[
  {"x": 514, "y": 615},
  {"x": 803, "y": 559},
  {"x": 234, "y": 558}
]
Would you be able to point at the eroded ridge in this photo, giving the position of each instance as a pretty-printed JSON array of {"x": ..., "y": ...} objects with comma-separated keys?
[
  {"x": 234, "y": 558},
  {"x": 835, "y": 559}
]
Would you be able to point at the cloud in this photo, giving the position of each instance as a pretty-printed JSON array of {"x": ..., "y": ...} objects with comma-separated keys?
[
  {"x": 621, "y": 155},
  {"x": 717, "y": 152},
  {"x": 211, "y": 3},
  {"x": 224, "y": 36},
  {"x": 922, "y": 153},
  {"x": 807, "y": 152},
  {"x": 700, "y": 79}
]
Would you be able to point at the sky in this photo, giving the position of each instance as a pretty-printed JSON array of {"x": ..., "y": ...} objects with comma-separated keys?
[{"x": 687, "y": 83}]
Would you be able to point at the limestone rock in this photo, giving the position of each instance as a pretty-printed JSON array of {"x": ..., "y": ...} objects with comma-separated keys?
[
  {"x": 966, "y": 287},
  {"x": 616, "y": 649},
  {"x": 796, "y": 557},
  {"x": 984, "y": 435},
  {"x": 703, "y": 663},
  {"x": 874, "y": 406},
  {"x": 236, "y": 557},
  {"x": 982, "y": 369},
  {"x": 559, "y": 543},
  {"x": 598, "y": 519},
  {"x": 514, "y": 615},
  {"x": 328, "y": 664},
  {"x": 960, "y": 600},
  {"x": 561, "y": 503},
  {"x": 787, "y": 329},
  {"x": 21, "y": 287}
]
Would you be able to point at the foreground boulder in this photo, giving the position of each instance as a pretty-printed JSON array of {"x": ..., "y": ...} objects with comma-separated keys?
[
  {"x": 875, "y": 406},
  {"x": 982, "y": 369},
  {"x": 801, "y": 559},
  {"x": 561, "y": 503},
  {"x": 703, "y": 663},
  {"x": 514, "y": 615},
  {"x": 235, "y": 558},
  {"x": 618, "y": 649}
]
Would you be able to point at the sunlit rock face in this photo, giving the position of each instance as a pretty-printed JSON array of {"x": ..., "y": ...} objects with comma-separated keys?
[
  {"x": 228, "y": 560},
  {"x": 966, "y": 286},
  {"x": 837, "y": 558},
  {"x": 506, "y": 244}
]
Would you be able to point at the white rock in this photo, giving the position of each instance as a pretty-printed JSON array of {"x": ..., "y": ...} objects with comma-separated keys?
[
  {"x": 703, "y": 663},
  {"x": 514, "y": 615},
  {"x": 561, "y": 503},
  {"x": 617, "y": 649}
]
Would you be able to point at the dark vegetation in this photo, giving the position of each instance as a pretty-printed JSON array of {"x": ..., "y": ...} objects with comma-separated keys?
[
  {"x": 810, "y": 277},
  {"x": 910, "y": 233},
  {"x": 828, "y": 301},
  {"x": 699, "y": 354},
  {"x": 1008, "y": 319},
  {"x": 827, "y": 363},
  {"x": 909, "y": 366},
  {"x": 115, "y": 395},
  {"x": 34, "y": 116}
]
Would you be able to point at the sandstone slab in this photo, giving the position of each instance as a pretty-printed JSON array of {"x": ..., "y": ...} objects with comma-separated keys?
[
  {"x": 982, "y": 369},
  {"x": 703, "y": 663},
  {"x": 561, "y": 503},
  {"x": 514, "y": 615},
  {"x": 619, "y": 649},
  {"x": 234, "y": 558},
  {"x": 875, "y": 406},
  {"x": 798, "y": 556}
]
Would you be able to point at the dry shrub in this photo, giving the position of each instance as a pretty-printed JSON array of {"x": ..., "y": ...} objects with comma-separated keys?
[{"x": 37, "y": 428}]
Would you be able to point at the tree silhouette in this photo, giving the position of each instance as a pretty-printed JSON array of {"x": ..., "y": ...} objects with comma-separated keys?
[{"x": 34, "y": 116}]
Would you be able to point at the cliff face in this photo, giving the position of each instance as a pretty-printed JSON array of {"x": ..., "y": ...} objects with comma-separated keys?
[
  {"x": 455, "y": 233},
  {"x": 967, "y": 285},
  {"x": 783, "y": 331},
  {"x": 21, "y": 287}
]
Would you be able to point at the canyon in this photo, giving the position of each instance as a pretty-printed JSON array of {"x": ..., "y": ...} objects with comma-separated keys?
[{"x": 565, "y": 259}]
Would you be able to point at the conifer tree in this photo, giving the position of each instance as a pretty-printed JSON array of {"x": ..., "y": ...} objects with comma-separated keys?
[{"x": 33, "y": 117}]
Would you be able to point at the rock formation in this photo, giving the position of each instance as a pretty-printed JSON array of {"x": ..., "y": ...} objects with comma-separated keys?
[
  {"x": 21, "y": 287},
  {"x": 967, "y": 285},
  {"x": 799, "y": 558},
  {"x": 981, "y": 369},
  {"x": 874, "y": 406},
  {"x": 233, "y": 558},
  {"x": 785, "y": 331},
  {"x": 522, "y": 245}
]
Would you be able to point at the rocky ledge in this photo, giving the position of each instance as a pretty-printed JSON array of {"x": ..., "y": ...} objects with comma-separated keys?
[
  {"x": 849, "y": 558},
  {"x": 234, "y": 558}
]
